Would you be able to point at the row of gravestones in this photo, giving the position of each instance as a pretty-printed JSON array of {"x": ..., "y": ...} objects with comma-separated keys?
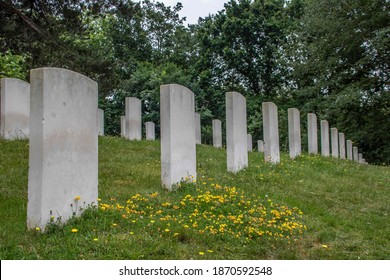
[{"x": 63, "y": 133}]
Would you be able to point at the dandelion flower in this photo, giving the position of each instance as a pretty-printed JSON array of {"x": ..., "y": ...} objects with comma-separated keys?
[
  {"x": 210, "y": 251},
  {"x": 167, "y": 230},
  {"x": 74, "y": 230},
  {"x": 38, "y": 229},
  {"x": 131, "y": 232},
  {"x": 324, "y": 246},
  {"x": 201, "y": 253},
  {"x": 77, "y": 198},
  {"x": 95, "y": 239},
  {"x": 114, "y": 225}
]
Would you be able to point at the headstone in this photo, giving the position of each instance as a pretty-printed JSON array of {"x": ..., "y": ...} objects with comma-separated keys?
[
  {"x": 325, "y": 151},
  {"x": 178, "y": 146},
  {"x": 123, "y": 126},
  {"x": 349, "y": 150},
  {"x": 355, "y": 154},
  {"x": 217, "y": 133},
  {"x": 150, "y": 130},
  {"x": 342, "y": 145},
  {"x": 260, "y": 146},
  {"x": 294, "y": 132},
  {"x": 312, "y": 133},
  {"x": 100, "y": 122},
  {"x": 63, "y": 173},
  {"x": 249, "y": 142},
  {"x": 198, "y": 133},
  {"x": 14, "y": 109},
  {"x": 236, "y": 132},
  {"x": 335, "y": 142},
  {"x": 360, "y": 158},
  {"x": 133, "y": 118},
  {"x": 271, "y": 132}
]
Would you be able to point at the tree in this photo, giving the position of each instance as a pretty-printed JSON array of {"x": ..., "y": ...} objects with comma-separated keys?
[{"x": 343, "y": 72}]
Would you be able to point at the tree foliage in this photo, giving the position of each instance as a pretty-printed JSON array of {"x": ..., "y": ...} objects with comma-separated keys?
[{"x": 323, "y": 56}]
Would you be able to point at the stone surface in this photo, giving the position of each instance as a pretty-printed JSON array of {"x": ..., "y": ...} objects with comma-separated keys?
[
  {"x": 14, "y": 109},
  {"x": 249, "y": 142},
  {"x": 133, "y": 118},
  {"x": 325, "y": 147},
  {"x": 342, "y": 145},
  {"x": 349, "y": 150},
  {"x": 294, "y": 132},
  {"x": 355, "y": 154},
  {"x": 312, "y": 137},
  {"x": 334, "y": 135},
  {"x": 63, "y": 160},
  {"x": 178, "y": 147},
  {"x": 271, "y": 132},
  {"x": 236, "y": 132},
  {"x": 150, "y": 131},
  {"x": 360, "y": 158},
  {"x": 260, "y": 146},
  {"x": 100, "y": 122},
  {"x": 123, "y": 126},
  {"x": 198, "y": 133},
  {"x": 217, "y": 133}
]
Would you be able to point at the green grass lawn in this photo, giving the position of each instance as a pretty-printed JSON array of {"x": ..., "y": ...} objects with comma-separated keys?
[{"x": 307, "y": 208}]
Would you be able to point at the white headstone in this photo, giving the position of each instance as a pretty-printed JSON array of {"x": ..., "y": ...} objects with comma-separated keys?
[
  {"x": 63, "y": 174},
  {"x": 150, "y": 130},
  {"x": 14, "y": 109},
  {"x": 133, "y": 118},
  {"x": 123, "y": 126},
  {"x": 342, "y": 145},
  {"x": 217, "y": 133},
  {"x": 349, "y": 150},
  {"x": 325, "y": 151},
  {"x": 271, "y": 132},
  {"x": 249, "y": 142},
  {"x": 312, "y": 133},
  {"x": 260, "y": 146},
  {"x": 178, "y": 147},
  {"x": 355, "y": 154},
  {"x": 198, "y": 133},
  {"x": 236, "y": 132},
  {"x": 294, "y": 132},
  {"x": 335, "y": 142}
]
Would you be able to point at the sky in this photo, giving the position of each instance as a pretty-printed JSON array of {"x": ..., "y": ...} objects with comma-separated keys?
[{"x": 193, "y": 9}]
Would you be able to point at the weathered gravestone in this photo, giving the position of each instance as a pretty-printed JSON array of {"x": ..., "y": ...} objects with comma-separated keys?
[
  {"x": 335, "y": 142},
  {"x": 14, "y": 109},
  {"x": 294, "y": 132},
  {"x": 217, "y": 133},
  {"x": 198, "y": 133},
  {"x": 342, "y": 145},
  {"x": 236, "y": 132},
  {"x": 63, "y": 173},
  {"x": 271, "y": 132},
  {"x": 349, "y": 150},
  {"x": 150, "y": 130},
  {"x": 133, "y": 118},
  {"x": 325, "y": 151},
  {"x": 312, "y": 133},
  {"x": 178, "y": 146},
  {"x": 100, "y": 122}
]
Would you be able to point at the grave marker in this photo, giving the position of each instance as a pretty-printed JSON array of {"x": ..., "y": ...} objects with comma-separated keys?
[
  {"x": 271, "y": 132},
  {"x": 63, "y": 173}
]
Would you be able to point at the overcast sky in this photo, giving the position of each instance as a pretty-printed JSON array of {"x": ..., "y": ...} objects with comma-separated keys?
[{"x": 193, "y": 9}]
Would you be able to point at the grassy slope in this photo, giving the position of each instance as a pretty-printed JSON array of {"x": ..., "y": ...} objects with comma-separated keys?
[{"x": 345, "y": 206}]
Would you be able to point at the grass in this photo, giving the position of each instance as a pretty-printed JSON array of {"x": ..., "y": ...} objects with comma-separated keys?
[{"x": 307, "y": 208}]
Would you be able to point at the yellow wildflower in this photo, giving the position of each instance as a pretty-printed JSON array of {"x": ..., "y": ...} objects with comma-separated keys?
[
  {"x": 77, "y": 198},
  {"x": 74, "y": 230}
]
